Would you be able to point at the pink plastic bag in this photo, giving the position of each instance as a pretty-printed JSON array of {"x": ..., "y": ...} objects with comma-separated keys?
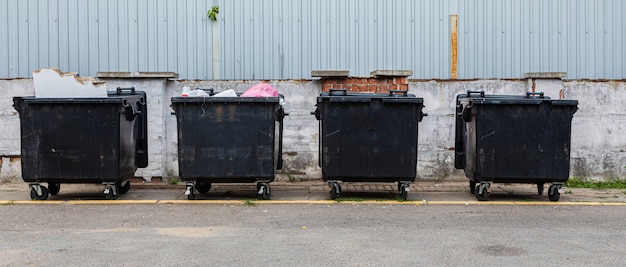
[{"x": 260, "y": 90}]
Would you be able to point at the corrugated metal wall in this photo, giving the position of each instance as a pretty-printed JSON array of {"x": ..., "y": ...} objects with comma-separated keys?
[
  {"x": 87, "y": 36},
  {"x": 286, "y": 39},
  {"x": 585, "y": 38}
]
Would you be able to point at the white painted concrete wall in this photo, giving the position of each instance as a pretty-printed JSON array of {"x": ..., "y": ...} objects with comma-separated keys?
[{"x": 598, "y": 144}]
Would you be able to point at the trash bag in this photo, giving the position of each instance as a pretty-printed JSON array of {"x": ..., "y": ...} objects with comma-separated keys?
[
  {"x": 260, "y": 90},
  {"x": 227, "y": 93},
  {"x": 198, "y": 93}
]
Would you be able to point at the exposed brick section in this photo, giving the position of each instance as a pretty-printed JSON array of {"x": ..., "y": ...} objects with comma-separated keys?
[{"x": 372, "y": 84}]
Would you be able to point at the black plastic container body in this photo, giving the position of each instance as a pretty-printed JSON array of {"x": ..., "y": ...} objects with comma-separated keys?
[
  {"x": 513, "y": 139},
  {"x": 368, "y": 137},
  {"x": 83, "y": 140},
  {"x": 228, "y": 139}
]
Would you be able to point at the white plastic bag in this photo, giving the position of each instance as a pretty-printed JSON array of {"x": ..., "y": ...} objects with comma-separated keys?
[
  {"x": 186, "y": 90},
  {"x": 227, "y": 93},
  {"x": 198, "y": 93}
]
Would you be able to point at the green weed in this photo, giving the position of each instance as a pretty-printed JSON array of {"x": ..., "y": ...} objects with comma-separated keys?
[
  {"x": 292, "y": 178},
  {"x": 611, "y": 183},
  {"x": 173, "y": 181},
  {"x": 249, "y": 203},
  {"x": 349, "y": 199},
  {"x": 399, "y": 199}
]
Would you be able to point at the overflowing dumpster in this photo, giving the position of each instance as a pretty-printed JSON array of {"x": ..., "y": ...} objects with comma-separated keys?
[
  {"x": 82, "y": 140},
  {"x": 513, "y": 139},
  {"x": 228, "y": 140},
  {"x": 368, "y": 137}
]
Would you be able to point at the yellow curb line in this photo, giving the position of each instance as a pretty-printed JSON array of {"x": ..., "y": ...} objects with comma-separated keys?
[
  {"x": 214, "y": 202},
  {"x": 312, "y": 202},
  {"x": 38, "y": 202},
  {"x": 109, "y": 202},
  {"x": 318, "y": 202}
]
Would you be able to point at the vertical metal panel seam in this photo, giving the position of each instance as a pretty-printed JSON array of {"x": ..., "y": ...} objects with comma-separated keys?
[
  {"x": 27, "y": 33},
  {"x": 8, "y": 46}
]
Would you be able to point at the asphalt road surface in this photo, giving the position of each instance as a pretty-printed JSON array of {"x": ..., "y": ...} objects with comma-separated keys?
[{"x": 312, "y": 235}]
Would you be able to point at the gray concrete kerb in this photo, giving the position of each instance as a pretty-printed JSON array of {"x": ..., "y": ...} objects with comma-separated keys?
[
  {"x": 330, "y": 73},
  {"x": 317, "y": 192}
]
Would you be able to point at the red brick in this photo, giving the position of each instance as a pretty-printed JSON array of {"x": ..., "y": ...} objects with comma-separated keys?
[
  {"x": 362, "y": 88},
  {"x": 402, "y": 80},
  {"x": 381, "y": 81},
  {"x": 372, "y": 88},
  {"x": 325, "y": 87},
  {"x": 330, "y": 81},
  {"x": 341, "y": 81},
  {"x": 404, "y": 87}
]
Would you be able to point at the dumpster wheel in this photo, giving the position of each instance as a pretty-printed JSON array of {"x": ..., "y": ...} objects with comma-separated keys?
[
  {"x": 123, "y": 187},
  {"x": 54, "y": 188},
  {"x": 472, "y": 186},
  {"x": 540, "y": 189},
  {"x": 263, "y": 190},
  {"x": 190, "y": 192},
  {"x": 110, "y": 190},
  {"x": 335, "y": 190},
  {"x": 482, "y": 191},
  {"x": 203, "y": 187},
  {"x": 38, "y": 192},
  {"x": 404, "y": 189},
  {"x": 554, "y": 192}
]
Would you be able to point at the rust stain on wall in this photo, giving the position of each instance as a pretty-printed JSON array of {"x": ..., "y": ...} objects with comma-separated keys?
[{"x": 454, "y": 46}]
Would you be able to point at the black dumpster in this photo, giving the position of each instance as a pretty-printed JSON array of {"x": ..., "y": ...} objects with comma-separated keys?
[
  {"x": 82, "y": 140},
  {"x": 368, "y": 138},
  {"x": 513, "y": 139},
  {"x": 228, "y": 140}
]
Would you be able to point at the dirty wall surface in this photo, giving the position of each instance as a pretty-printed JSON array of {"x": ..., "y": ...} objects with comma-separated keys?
[{"x": 598, "y": 147}]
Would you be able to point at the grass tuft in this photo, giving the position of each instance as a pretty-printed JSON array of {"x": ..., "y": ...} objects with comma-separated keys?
[
  {"x": 611, "y": 183},
  {"x": 249, "y": 203},
  {"x": 349, "y": 199}
]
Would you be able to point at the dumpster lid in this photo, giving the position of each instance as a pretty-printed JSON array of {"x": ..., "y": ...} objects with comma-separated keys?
[
  {"x": 479, "y": 97},
  {"x": 521, "y": 100},
  {"x": 180, "y": 99},
  {"x": 113, "y": 97},
  {"x": 392, "y": 97}
]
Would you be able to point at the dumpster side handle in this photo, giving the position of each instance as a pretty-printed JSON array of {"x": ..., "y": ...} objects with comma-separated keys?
[
  {"x": 466, "y": 114},
  {"x": 343, "y": 91},
  {"x": 141, "y": 152},
  {"x": 279, "y": 117},
  {"x": 402, "y": 92},
  {"x": 422, "y": 115},
  {"x": 529, "y": 94},
  {"x": 481, "y": 92},
  {"x": 130, "y": 111},
  {"x": 120, "y": 89}
]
